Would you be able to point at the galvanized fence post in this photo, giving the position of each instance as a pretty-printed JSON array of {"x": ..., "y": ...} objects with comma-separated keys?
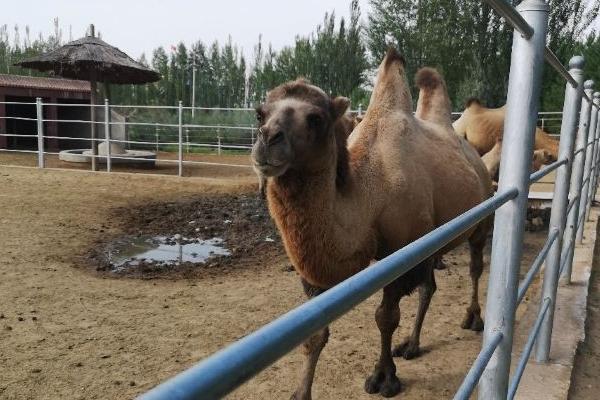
[
  {"x": 40, "y": 130},
  {"x": 180, "y": 148},
  {"x": 576, "y": 181},
  {"x": 527, "y": 60},
  {"x": 156, "y": 134},
  {"x": 107, "y": 133},
  {"x": 560, "y": 201},
  {"x": 587, "y": 170},
  {"x": 594, "y": 167}
]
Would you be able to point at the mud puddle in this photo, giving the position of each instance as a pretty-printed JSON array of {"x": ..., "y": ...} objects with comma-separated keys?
[
  {"x": 187, "y": 238},
  {"x": 130, "y": 251}
]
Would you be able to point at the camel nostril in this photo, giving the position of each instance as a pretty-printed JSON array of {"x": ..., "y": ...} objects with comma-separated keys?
[{"x": 278, "y": 137}]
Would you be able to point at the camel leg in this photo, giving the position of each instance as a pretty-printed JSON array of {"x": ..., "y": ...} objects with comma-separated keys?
[
  {"x": 311, "y": 349},
  {"x": 409, "y": 349},
  {"x": 477, "y": 241},
  {"x": 387, "y": 316},
  {"x": 262, "y": 187}
]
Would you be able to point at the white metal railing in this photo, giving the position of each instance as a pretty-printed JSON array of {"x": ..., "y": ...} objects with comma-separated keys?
[{"x": 160, "y": 137}]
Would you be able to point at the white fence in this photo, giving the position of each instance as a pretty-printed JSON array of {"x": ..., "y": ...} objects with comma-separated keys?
[{"x": 174, "y": 133}]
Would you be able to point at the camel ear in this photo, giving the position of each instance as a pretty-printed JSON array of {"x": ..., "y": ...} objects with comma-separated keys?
[{"x": 339, "y": 105}]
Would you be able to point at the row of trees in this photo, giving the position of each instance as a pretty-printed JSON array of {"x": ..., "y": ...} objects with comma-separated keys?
[{"x": 465, "y": 39}]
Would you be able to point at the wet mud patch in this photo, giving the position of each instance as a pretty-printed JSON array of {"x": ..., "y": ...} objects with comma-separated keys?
[{"x": 187, "y": 238}]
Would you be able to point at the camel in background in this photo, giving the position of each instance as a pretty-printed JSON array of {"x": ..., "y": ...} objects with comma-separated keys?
[
  {"x": 484, "y": 127},
  {"x": 338, "y": 207}
]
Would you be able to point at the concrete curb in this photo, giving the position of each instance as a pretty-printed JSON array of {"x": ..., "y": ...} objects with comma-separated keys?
[{"x": 551, "y": 381}]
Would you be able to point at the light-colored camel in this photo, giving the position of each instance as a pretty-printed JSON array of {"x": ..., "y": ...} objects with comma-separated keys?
[
  {"x": 484, "y": 127},
  {"x": 404, "y": 176},
  {"x": 491, "y": 159},
  {"x": 343, "y": 127}
]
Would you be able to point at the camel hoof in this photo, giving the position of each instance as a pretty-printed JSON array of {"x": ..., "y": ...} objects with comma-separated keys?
[
  {"x": 373, "y": 382},
  {"x": 472, "y": 322},
  {"x": 386, "y": 386},
  {"x": 407, "y": 350},
  {"x": 390, "y": 387},
  {"x": 477, "y": 324}
]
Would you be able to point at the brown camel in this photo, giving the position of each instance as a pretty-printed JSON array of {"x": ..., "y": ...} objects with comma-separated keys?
[
  {"x": 342, "y": 127},
  {"x": 402, "y": 176},
  {"x": 483, "y": 128}
]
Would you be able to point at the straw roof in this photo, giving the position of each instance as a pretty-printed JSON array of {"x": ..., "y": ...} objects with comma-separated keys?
[{"x": 91, "y": 58}]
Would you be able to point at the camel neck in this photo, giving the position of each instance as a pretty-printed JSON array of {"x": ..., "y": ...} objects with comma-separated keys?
[{"x": 315, "y": 229}]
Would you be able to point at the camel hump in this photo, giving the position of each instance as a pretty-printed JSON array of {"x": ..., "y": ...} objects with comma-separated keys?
[
  {"x": 428, "y": 78},
  {"x": 393, "y": 56},
  {"x": 391, "y": 91},
  {"x": 472, "y": 101},
  {"x": 433, "y": 104}
]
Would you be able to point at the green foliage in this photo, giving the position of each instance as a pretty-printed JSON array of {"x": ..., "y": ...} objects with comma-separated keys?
[
  {"x": 465, "y": 39},
  {"x": 470, "y": 43}
]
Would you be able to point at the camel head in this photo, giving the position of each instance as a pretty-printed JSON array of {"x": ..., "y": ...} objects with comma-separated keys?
[{"x": 297, "y": 129}]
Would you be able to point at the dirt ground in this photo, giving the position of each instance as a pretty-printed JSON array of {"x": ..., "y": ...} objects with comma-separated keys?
[
  {"x": 584, "y": 382},
  {"x": 69, "y": 331}
]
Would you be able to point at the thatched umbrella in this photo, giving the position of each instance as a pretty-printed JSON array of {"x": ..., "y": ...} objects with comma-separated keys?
[{"x": 94, "y": 60}]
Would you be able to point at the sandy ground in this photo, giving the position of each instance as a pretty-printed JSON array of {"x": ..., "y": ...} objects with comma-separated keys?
[
  {"x": 584, "y": 382},
  {"x": 67, "y": 331}
]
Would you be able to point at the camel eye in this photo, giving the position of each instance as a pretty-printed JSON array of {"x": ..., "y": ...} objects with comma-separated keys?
[{"x": 314, "y": 121}]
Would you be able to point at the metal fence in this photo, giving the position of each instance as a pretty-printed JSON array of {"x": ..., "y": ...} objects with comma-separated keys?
[
  {"x": 164, "y": 130},
  {"x": 174, "y": 134},
  {"x": 576, "y": 184}
]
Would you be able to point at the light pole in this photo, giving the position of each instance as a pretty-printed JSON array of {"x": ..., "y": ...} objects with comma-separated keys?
[{"x": 193, "y": 87}]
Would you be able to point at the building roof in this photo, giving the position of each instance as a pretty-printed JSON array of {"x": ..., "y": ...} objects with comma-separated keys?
[{"x": 30, "y": 82}]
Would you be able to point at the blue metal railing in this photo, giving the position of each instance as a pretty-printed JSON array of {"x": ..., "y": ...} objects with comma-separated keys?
[
  {"x": 536, "y": 265},
  {"x": 546, "y": 170},
  {"x": 533, "y": 334},
  {"x": 224, "y": 371},
  {"x": 472, "y": 378}
]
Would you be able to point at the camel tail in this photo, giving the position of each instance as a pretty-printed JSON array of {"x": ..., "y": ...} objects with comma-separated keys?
[
  {"x": 391, "y": 91},
  {"x": 433, "y": 104}
]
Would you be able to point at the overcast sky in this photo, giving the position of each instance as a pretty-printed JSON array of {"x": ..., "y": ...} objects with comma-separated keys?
[{"x": 137, "y": 26}]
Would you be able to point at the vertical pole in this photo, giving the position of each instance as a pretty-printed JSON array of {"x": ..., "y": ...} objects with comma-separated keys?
[
  {"x": 576, "y": 180},
  {"x": 187, "y": 140},
  {"x": 587, "y": 169},
  {"x": 219, "y": 143},
  {"x": 107, "y": 133},
  {"x": 594, "y": 167},
  {"x": 360, "y": 110},
  {"x": 193, "y": 89},
  {"x": 40, "y": 130},
  {"x": 93, "y": 125},
  {"x": 558, "y": 217},
  {"x": 542, "y": 123},
  {"x": 156, "y": 135},
  {"x": 180, "y": 126},
  {"x": 524, "y": 84}
]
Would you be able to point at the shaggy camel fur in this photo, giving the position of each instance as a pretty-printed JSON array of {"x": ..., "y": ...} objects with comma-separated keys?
[
  {"x": 343, "y": 127},
  {"x": 339, "y": 207},
  {"x": 483, "y": 128}
]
